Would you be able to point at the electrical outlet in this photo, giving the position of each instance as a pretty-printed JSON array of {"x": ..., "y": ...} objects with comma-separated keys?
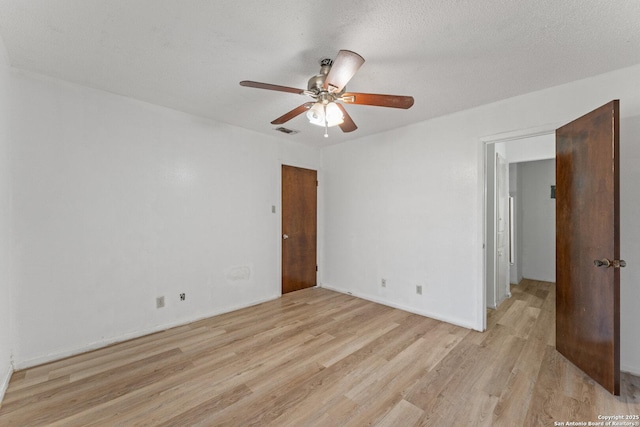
[
  {"x": 419, "y": 289},
  {"x": 383, "y": 282},
  {"x": 159, "y": 302},
  {"x": 183, "y": 296}
]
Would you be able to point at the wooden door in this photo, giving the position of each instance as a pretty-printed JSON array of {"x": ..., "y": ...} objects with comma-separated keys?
[
  {"x": 299, "y": 226},
  {"x": 587, "y": 231}
]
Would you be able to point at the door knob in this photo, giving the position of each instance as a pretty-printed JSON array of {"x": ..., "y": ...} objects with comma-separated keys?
[
  {"x": 285, "y": 236},
  {"x": 616, "y": 263},
  {"x": 602, "y": 263}
]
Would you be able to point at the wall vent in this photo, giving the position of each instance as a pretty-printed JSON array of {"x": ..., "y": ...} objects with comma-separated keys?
[{"x": 286, "y": 130}]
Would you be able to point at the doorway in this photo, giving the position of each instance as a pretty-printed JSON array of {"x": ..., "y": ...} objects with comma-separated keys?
[
  {"x": 532, "y": 185},
  {"x": 518, "y": 149}
]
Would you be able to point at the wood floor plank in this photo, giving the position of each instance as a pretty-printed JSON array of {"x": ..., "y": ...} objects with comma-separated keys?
[
  {"x": 550, "y": 403},
  {"x": 479, "y": 410},
  {"x": 631, "y": 386},
  {"x": 325, "y": 403},
  {"x": 514, "y": 400},
  {"x": 460, "y": 368},
  {"x": 46, "y": 372},
  {"x": 211, "y": 405},
  {"x": 75, "y": 397},
  {"x": 520, "y": 318},
  {"x": 403, "y": 414},
  {"x": 321, "y": 358}
]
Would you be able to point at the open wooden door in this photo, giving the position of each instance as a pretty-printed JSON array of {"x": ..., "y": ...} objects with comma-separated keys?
[
  {"x": 588, "y": 244},
  {"x": 299, "y": 228}
]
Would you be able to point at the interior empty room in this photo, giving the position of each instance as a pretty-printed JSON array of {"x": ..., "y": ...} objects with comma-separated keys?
[{"x": 294, "y": 213}]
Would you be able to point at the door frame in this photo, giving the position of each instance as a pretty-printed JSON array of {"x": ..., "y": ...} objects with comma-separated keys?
[{"x": 485, "y": 173}]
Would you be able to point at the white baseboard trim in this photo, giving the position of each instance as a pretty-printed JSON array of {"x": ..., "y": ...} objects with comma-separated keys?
[
  {"x": 51, "y": 357},
  {"x": 457, "y": 322},
  {"x": 633, "y": 370}
]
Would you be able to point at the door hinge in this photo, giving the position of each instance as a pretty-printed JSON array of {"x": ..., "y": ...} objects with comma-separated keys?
[
  {"x": 317, "y": 184},
  {"x": 316, "y": 268}
]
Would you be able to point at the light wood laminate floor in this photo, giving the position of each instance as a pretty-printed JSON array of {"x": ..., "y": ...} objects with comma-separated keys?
[{"x": 321, "y": 358}]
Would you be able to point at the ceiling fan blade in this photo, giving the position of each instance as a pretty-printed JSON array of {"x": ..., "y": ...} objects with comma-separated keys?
[
  {"x": 258, "y": 85},
  {"x": 347, "y": 125},
  {"x": 378, "y": 100},
  {"x": 343, "y": 68},
  {"x": 293, "y": 113}
]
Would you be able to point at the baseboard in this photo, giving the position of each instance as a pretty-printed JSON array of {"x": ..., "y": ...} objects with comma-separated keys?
[
  {"x": 546, "y": 280},
  {"x": 635, "y": 371},
  {"x": 457, "y": 322},
  {"x": 30, "y": 363}
]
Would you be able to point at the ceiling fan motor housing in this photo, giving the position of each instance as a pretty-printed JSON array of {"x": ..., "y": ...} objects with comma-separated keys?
[{"x": 315, "y": 84}]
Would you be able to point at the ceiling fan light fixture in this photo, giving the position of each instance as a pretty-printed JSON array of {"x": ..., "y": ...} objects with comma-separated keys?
[
  {"x": 333, "y": 115},
  {"x": 328, "y": 115},
  {"x": 316, "y": 114}
]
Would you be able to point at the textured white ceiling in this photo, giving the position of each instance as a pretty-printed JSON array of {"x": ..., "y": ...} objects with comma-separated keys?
[{"x": 449, "y": 54}]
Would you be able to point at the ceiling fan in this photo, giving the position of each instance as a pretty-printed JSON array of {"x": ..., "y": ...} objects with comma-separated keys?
[{"x": 328, "y": 87}]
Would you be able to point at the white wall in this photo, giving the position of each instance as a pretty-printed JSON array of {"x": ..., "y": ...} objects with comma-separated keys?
[
  {"x": 536, "y": 147},
  {"x": 407, "y": 205},
  {"x": 538, "y": 219},
  {"x": 6, "y": 235},
  {"x": 630, "y": 242},
  {"x": 404, "y": 206},
  {"x": 118, "y": 202}
]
